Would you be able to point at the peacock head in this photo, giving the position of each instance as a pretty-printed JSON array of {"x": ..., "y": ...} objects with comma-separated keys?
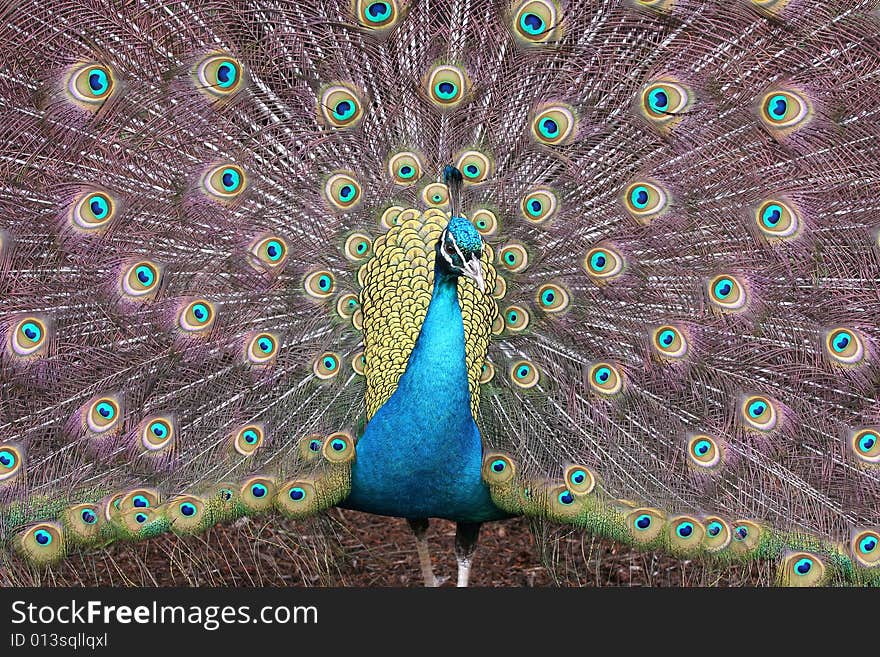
[{"x": 459, "y": 250}]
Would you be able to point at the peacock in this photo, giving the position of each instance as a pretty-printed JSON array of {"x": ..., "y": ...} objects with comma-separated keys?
[{"x": 610, "y": 265}]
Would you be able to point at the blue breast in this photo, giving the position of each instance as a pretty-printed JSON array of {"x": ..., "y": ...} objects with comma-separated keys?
[{"x": 420, "y": 454}]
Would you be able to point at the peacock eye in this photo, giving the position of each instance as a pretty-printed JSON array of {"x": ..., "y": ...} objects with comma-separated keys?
[
  {"x": 704, "y": 451},
  {"x": 487, "y": 372},
  {"x": 342, "y": 191},
  {"x": 93, "y": 211},
  {"x": 524, "y": 374},
  {"x": 247, "y": 439},
  {"x": 187, "y": 509},
  {"x": 224, "y": 182},
  {"x": 315, "y": 445},
  {"x": 197, "y": 316},
  {"x": 844, "y": 346},
  {"x": 10, "y": 462},
  {"x": 374, "y": 14},
  {"x": 759, "y": 413},
  {"x": 553, "y": 298},
  {"x": 498, "y": 468},
  {"x": 435, "y": 195},
  {"x": 553, "y": 125},
  {"x": 91, "y": 85},
  {"x": 605, "y": 379},
  {"x": 319, "y": 284},
  {"x": 261, "y": 349},
  {"x": 516, "y": 318},
  {"x": 326, "y": 366},
  {"x": 566, "y": 498},
  {"x": 727, "y": 292},
  {"x": 539, "y": 205},
  {"x": 777, "y": 220},
  {"x": 338, "y": 447},
  {"x": 603, "y": 263},
  {"x": 514, "y": 257},
  {"x": 340, "y": 107},
  {"x": 802, "y": 569},
  {"x": 475, "y": 167},
  {"x": 536, "y": 22},
  {"x": 297, "y": 494},
  {"x": 30, "y": 336},
  {"x": 866, "y": 445},
  {"x": 447, "y": 85},
  {"x": 663, "y": 100},
  {"x": 140, "y": 500},
  {"x": 358, "y": 246},
  {"x": 259, "y": 490},
  {"x": 141, "y": 280},
  {"x": 89, "y": 516},
  {"x": 783, "y": 109},
  {"x": 485, "y": 222},
  {"x": 669, "y": 342},
  {"x": 219, "y": 75},
  {"x": 714, "y": 528},
  {"x": 643, "y": 200},
  {"x": 684, "y": 529},
  {"x": 405, "y": 168},
  {"x": 864, "y": 546},
  {"x": 270, "y": 252}
]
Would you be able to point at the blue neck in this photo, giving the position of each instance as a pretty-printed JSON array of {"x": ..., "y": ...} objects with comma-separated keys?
[{"x": 420, "y": 455}]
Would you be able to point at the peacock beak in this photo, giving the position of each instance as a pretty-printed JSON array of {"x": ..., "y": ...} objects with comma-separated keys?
[{"x": 473, "y": 269}]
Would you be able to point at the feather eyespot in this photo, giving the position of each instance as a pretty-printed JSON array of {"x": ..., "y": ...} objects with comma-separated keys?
[
  {"x": 727, "y": 293},
  {"x": 644, "y": 524},
  {"x": 645, "y": 200},
  {"x": 219, "y": 75},
  {"x": 297, "y": 499},
  {"x": 603, "y": 263},
  {"x": 359, "y": 363},
  {"x": 269, "y": 252},
  {"x": 187, "y": 514},
  {"x": 91, "y": 84},
  {"x": 435, "y": 195},
  {"x": 539, "y": 205},
  {"x": 93, "y": 211},
  {"x": 256, "y": 493},
  {"x": 326, "y": 366},
  {"x": 11, "y": 462},
  {"x": 865, "y": 547},
  {"x": 157, "y": 434},
  {"x": 262, "y": 348},
  {"x": 865, "y": 444},
  {"x": 498, "y": 468},
  {"x": 447, "y": 86},
  {"x": 103, "y": 414},
  {"x": 487, "y": 372},
  {"x": 718, "y": 534},
  {"x": 377, "y": 15},
  {"x": 342, "y": 191},
  {"x": 579, "y": 479},
  {"x": 845, "y": 346},
  {"x": 513, "y": 257},
  {"x": 197, "y": 316},
  {"x": 224, "y": 182},
  {"x": 802, "y": 569},
  {"x": 777, "y": 220},
  {"x": 606, "y": 379},
  {"x": 346, "y": 304},
  {"x": 485, "y": 222},
  {"x": 475, "y": 167},
  {"x": 784, "y": 110},
  {"x": 759, "y": 412},
  {"x": 536, "y": 21},
  {"x": 358, "y": 247},
  {"x": 525, "y": 374},
  {"x": 704, "y": 452},
  {"x": 140, "y": 281},
  {"x": 248, "y": 439},
  {"x": 553, "y": 298},
  {"x": 405, "y": 168},
  {"x": 669, "y": 342},
  {"x": 338, "y": 448},
  {"x": 319, "y": 284},
  {"x": 554, "y": 124},
  {"x": 663, "y": 101},
  {"x": 685, "y": 532},
  {"x": 516, "y": 319},
  {"x": 29, "y": 337},
  {"x": 42, "y": 544},
  {"x": 340, "y": 107}
]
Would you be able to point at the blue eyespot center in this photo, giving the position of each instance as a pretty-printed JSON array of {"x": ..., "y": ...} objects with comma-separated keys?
[
  {"x": 378, "y": 11},
  {"x": 723, "y": 288},
  {"x": 88, "y": 516},
  {"x": 531, "y": 23},
  {"x": 549, "y": 127},
  {"x": 259, "y": 490},
  {"x": 523, "y": 372},
  {"x": 659, "y": 100},
  {"x": 324, "y": 282},
  {"x": 867, "y": 442},
  {"x": 803, "y": 566},
  {"x": 777, "y": 107},
  {"x": 548, "y": 297},
  {"x": 566, "y": 498},
  {"x": 106, "y": 410},
  {"x": 598, "y": 261},
  {"x": 32, "y": 331},
  {"x": 446, "y": 90},
  {"x": 98, "y": 82},
  {"x": 297, "y": 493},
  {"x": 867, "y": 545},
  {"x": 230, "y": 179},
  {"x": 315, "y": 445},
  {"x": 274, "y": 250},
  {"x": 188, "y": 509},
  {"x": 344, "y": 109},
  {"x": 144, "y": 275},
  {"x": 667, "y": 337},
  {"x": 841, "y": 340},
  {"x": 741, "y": 533},
  {"x": 702, "y": 447},
  {"x": 499, "y": 465},
  {"x": 771, "y": 215},
  {"x": 98, "y": 206},
  {"x": 200, "y": 312},
  {"x": 158, "y": 429},
  {"x": 251, "y": 437},
  {"x": 603, "y": 374},
  {"x": 714, "y": 529},
  {"x": 140, "y": 501},
  {"x": 643, "y": 522},
  {"x": 140, "y": 518},
  {"x": 685, "y": 529},
  {"x": 578, "y": 476},
  {"x": 7, "y": 459},
  {"x": 338, "y": 445},
  {"x": 42, "y": 537},
  {"x": 757, "y": 409},
  {"x": 226, "y": 74}
]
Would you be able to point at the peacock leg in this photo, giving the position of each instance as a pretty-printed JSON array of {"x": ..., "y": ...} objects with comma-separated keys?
[
  {"x": 466, "y": 535},
  {"x": 419, "y": 527}
]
